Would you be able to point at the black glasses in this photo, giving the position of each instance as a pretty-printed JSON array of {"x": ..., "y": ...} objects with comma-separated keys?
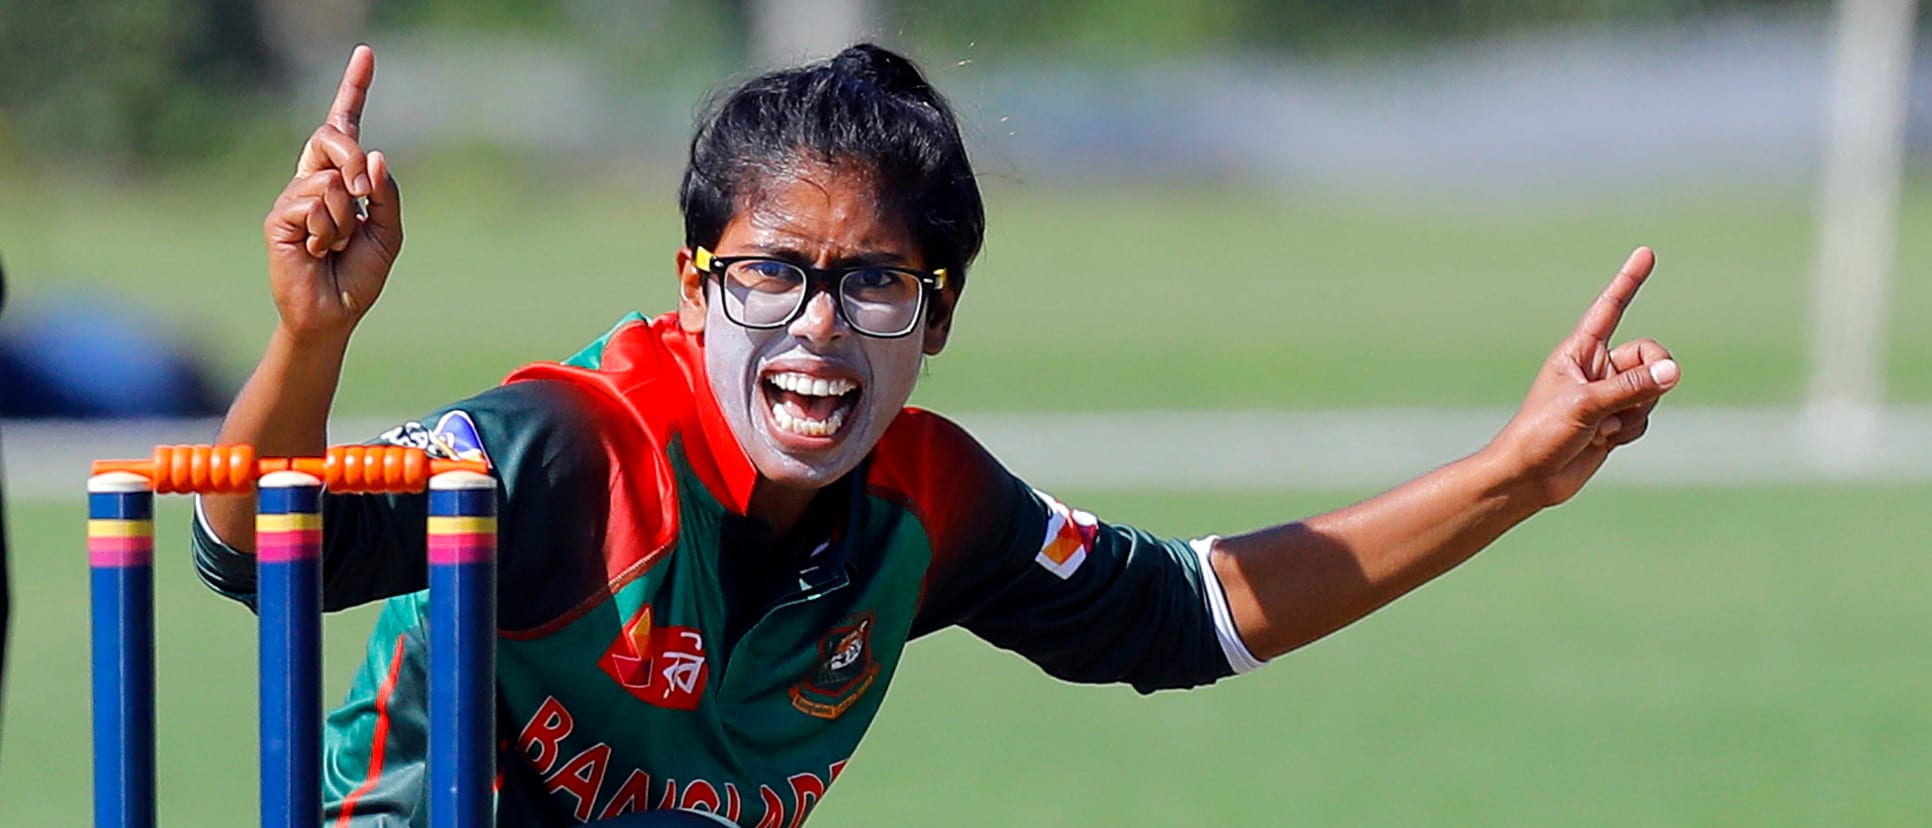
[{"x": 765, "y": 293}]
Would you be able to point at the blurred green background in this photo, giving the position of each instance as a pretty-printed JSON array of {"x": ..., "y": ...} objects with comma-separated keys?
[
  {"x": 1651, "y": 657},
  {"x": 1646, "y": 655}
]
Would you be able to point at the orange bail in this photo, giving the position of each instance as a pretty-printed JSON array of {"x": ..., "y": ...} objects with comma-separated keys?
[
  {"x": 234, "y": 469},
  {"x": 200, "y": 469}
]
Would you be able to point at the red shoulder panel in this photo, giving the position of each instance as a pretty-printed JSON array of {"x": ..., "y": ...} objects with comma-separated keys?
[{"x": 649, "y": 389}]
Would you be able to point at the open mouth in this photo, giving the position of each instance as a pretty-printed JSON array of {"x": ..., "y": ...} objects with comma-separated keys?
[{"x": 809, "y": 406}]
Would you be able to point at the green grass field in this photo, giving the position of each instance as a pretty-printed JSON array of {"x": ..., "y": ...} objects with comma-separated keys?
[
  {"x": 1678, "y": 657},
  {"x": 1098, "y": 299}
]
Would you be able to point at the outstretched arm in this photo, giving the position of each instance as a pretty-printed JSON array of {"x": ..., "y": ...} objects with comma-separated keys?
[
  {"x": 327, "y": 262},
  {"x": 1291, "y": 584}
]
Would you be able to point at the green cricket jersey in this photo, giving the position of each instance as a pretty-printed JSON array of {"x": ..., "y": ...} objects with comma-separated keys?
[{"x": 659, "y": 649}]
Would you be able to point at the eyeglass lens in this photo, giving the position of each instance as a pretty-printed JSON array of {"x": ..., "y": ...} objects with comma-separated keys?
[{"x": 878, "y": 301}]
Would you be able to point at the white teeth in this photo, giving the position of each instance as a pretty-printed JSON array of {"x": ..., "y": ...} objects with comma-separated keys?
[
  {"x": 790, "y": 418},
  {"x": 811, "y": 386},
  {"x": 782, "y": 415}
]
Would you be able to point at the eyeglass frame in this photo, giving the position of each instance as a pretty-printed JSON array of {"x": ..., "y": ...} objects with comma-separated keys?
[{"x": 830, "y": 279}]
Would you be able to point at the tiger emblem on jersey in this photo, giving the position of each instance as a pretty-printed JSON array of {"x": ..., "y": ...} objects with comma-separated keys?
[{"x": 845, "y": 669}]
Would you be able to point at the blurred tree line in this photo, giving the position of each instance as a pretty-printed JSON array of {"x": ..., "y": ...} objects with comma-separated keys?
[
  {"x": 1317, "y": 28},
  {"x": 161, "y": 81}
]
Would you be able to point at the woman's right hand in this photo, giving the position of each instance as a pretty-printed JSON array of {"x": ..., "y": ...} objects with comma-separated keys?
[{"x": 328, "y": 258}]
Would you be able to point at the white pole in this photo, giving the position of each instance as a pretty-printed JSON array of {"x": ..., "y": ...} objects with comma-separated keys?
[
  {"x": 1857, "y": 229},
  {"x": 788, "y": 32}
]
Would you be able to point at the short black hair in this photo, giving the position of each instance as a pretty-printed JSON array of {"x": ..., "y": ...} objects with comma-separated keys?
[{"x": 867, "y": 106}]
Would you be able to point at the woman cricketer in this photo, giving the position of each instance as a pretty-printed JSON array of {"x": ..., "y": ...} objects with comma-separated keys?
[{"x": 720, "y": 526}]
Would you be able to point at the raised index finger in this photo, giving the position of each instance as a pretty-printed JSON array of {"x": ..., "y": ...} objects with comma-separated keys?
[
  {"x": 1600, "y": 321},
  {"x": 346, "y": 113}
]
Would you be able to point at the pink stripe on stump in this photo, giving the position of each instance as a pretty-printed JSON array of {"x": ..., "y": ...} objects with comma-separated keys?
[
  {"x": 120, "y": 552},
  {"x": 462, "y": 548},
  {"x": 288, "y": 545}
]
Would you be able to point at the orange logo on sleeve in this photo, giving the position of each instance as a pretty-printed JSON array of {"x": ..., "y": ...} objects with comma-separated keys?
[{"x": 1069, "y": 534}]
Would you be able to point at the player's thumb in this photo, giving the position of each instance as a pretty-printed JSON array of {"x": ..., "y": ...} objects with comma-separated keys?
[
  {"x": 385, "y": 203},
  {"x": 1634, "y": 387}
]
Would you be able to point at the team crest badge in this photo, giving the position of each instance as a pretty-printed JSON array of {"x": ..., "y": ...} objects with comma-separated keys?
[
  {"x": 660, "y": 665},
  {"x": 453, "y": 438},
  {"x": 845, "y": 670}
]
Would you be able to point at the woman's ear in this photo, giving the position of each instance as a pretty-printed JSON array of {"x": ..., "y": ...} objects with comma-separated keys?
[{"x": 691, "y": 307}]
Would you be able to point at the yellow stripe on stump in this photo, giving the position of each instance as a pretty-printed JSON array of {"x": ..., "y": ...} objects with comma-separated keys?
[
  {"x": 287, "y": 523},
  {"x": 462, "y": 525},
  {"x": 112, "y": 528}
]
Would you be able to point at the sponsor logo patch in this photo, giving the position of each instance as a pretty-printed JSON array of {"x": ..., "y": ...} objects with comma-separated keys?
[
  {"x": 845, "y": 670},
  {"x": 453, "y": 438},
  {"x": 1069, "y": 534},
  {"x": 660, "y": 665}
]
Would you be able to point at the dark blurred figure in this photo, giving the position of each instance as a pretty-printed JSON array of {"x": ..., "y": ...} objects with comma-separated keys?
[
  {"x": 82, "y": 358},
  {"x": 6, "y": 588}
]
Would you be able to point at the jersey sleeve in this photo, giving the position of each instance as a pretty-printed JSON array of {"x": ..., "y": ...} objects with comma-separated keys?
[
  {"x": 1086, "y": 600},
  {"x": 536, "y": 439}
]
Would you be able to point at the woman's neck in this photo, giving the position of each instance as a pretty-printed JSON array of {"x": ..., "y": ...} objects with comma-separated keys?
[{"x": 779, "y": 508}]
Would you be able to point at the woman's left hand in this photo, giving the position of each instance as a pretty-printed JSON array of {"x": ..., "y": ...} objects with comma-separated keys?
[{"x": 1588, "y": 399}]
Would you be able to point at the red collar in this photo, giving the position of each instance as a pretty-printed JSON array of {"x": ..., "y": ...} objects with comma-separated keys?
[{"x": 639, "y": 360}]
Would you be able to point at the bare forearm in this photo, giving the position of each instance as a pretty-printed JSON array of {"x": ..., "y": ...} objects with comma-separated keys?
[
  {"x": 327, "y": 263},
  {"x": 283, "y": 411},
  {"x": 1292, "y": 584}
]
